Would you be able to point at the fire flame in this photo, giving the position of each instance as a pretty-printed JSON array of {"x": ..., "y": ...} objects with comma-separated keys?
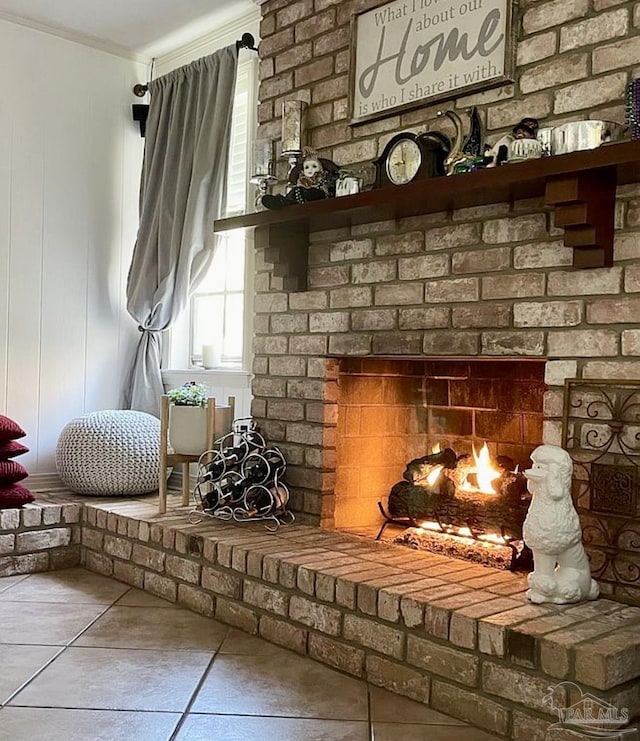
[
  {"x": 427, "y": 525},
  {"x": 494, "y": 538},
  {"x": 486, "y": 474},
  {"x": 463, "y": 532},
  {"x": 436, "y": 448},
  {"x": 433, "y": 476}
]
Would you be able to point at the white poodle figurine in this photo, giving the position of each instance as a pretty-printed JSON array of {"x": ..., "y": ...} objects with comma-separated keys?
[{"x": 552, "y": 530}]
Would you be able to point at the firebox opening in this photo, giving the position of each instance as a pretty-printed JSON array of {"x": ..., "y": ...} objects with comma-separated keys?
[{"x": 451, "y": 435}]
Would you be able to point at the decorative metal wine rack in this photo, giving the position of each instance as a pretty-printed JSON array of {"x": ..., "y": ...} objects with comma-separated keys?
[{"x": 241, "y": 479}]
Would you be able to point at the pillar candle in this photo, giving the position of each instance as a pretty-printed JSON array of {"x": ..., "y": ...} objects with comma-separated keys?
[
  {"x": 262, "y": 157},
  {"x": 209, "y": 356},
  {"x": 292, "y": 125}
]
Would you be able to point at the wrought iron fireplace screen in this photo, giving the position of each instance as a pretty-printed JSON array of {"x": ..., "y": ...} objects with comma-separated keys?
[{"x": 601, "y": 431}]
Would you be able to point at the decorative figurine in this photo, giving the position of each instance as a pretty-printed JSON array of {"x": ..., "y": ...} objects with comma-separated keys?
[
  {"x": 552, "y": 531},
  {"x": 465, "y": 155},
  {"x": 520, "y": 144},
  {"x": 313, "y": 180},
  {"x": 527, "y": 128}
]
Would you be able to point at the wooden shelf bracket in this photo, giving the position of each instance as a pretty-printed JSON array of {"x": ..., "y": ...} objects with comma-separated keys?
[
  {"x": 286, "y": 246},
  {"x": 584, "y": 205}
]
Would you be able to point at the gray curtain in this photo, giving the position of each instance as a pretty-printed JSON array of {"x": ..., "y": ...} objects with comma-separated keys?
[{"x": 181, "y": 193}]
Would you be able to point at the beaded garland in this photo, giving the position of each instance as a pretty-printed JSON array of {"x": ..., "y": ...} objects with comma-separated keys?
[{"x": 632, "y": 117}]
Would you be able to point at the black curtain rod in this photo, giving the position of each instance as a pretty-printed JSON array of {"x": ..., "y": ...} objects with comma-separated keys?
[{"x": 246, "y": 42}]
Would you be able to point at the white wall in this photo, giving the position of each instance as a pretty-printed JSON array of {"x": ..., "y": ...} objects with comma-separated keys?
[{"x": 70, "y": 160}]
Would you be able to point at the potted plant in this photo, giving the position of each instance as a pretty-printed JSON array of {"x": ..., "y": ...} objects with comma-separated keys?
[{"x": 188, "y": 418}]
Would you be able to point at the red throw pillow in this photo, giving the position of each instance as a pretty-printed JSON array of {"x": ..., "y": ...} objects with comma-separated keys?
[
  {"x": 9, "y": 430},
  {"x": 15, "y": 496},
  {"x": 10, "y": 472},
  {"x": 11, "y": 449}
]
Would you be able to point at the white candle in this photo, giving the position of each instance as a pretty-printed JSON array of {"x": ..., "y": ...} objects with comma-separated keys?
[
  {"x": 293, "y": 113},
  {"x": 262, "y": 156},
  {"x": 209, "y": 356}
]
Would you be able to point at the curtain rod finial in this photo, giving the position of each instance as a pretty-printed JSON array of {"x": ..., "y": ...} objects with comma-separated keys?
[{"x": 246, "y": 42}]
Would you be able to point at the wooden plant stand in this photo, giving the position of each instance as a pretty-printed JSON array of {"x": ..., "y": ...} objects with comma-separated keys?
[{"x": 215, "y": 428}]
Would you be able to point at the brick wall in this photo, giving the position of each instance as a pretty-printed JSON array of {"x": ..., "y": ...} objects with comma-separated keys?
[
  {"x": 573, "y": 59},
  {"x": 39, "y": 538},
  {"x": 492, "y": 281}
]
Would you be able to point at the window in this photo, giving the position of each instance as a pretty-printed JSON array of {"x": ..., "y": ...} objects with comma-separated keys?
[{"x": 218, "y": 308}]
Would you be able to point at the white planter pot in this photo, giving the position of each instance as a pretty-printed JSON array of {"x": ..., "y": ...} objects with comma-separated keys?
[{"x": 187, "y": 429}]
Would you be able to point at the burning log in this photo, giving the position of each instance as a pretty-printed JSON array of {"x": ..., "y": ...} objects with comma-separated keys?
[
  {"x": 462, "y": 491},
  {"x": 503, "y": 512},
  {"x": 462, "y": 506},
  {"x": 420, "y": 469}
]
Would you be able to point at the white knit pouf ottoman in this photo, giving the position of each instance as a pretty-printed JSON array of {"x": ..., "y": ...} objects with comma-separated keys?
[{"x": 110, "y": 453}]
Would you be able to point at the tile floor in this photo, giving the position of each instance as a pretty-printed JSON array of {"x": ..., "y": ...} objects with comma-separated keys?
[{"x": 83, "y": 657}]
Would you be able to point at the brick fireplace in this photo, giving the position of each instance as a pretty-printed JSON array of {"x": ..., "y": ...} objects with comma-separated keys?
[
  {"x": 480, "y": 282},
  {"x": 391, "y": 411},
  {"x": 433, "y": 298},
  {"x": 421, "y": 296},
  {"x": 485, "y": 287}
]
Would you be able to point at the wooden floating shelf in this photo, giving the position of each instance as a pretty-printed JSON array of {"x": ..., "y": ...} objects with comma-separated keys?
[{"x": 580, "y": 186}]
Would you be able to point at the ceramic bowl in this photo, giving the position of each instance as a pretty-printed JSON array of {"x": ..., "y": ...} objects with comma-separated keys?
[
  {"x": 524, "y": 149},
  {"x": 579, "y": 135}
]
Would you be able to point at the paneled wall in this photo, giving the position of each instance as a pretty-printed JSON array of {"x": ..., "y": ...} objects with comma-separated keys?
[{"x": 70, "y": 159}]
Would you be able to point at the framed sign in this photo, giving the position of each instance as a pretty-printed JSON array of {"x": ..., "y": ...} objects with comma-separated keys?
[{"x": 408, "y": 53}]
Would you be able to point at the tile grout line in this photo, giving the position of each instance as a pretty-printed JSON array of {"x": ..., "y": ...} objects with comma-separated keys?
[
  {"x": 34, "y": 675},
  {"x": 92, "y": 709},
  {"x": 62, "y": 648},
  {"x": 198, "y": 687},
  {"x": 369, "y": 717}
]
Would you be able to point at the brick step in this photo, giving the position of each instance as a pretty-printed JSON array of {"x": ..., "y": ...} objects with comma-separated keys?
[{"x": 459, "y": 637}]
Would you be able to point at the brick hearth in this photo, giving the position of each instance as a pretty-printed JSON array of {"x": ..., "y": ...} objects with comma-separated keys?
[{"x": 458, "y": 637}]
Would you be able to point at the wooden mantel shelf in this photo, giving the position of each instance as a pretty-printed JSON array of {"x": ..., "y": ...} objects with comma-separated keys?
[{"x": 580, "y": 186}]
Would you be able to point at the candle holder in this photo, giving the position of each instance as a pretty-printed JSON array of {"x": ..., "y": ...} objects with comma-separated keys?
[
  {"x": 293, "y": 131},
  {"x": 262, "y": 168}
]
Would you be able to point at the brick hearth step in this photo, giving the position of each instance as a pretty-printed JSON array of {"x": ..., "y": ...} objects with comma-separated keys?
[{"x": 457, "y": 636}]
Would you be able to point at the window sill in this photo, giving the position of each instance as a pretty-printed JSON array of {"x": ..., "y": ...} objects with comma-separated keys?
[
  {"x": 199, "y": 370},
  {"x": 235, "y": 377}
]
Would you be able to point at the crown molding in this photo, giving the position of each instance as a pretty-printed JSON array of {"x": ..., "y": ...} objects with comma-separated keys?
[
  {"x": 76, "y": 37},
  {"x": 236, "y": 26}
]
